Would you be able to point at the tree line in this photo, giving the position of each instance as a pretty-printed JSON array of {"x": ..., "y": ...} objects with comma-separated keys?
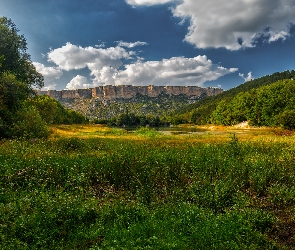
[
  {"x": 132, "y": 120},
  {"x": 271, "y": 105},
  {"x": 244, "y": 102}
]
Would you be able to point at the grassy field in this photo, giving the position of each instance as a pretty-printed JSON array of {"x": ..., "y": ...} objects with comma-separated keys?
[{"x": 92, "y": 187}]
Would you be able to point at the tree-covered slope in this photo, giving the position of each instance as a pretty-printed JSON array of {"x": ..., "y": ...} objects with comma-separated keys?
[
  {"x": 140, "y": 105},
  {"x": 272, "y": 105},
  {"x": 201, "y": 112}
]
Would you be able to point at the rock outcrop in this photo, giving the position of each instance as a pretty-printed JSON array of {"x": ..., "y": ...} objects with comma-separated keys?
[{"x": 111, "y": 92}]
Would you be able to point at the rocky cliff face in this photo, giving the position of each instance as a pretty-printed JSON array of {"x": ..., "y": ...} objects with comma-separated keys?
[
  {"x": 109, "y": 101},
  {"x": 111, "y": 92}
]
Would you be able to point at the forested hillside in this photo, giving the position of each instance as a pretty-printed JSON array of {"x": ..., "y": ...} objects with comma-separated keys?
[
  {"x": 230, "y": 106},
  {"x": 271, "y": 105}
]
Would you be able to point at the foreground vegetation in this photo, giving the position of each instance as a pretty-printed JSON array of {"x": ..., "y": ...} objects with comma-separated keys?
[{"x": 100, "y": 188}]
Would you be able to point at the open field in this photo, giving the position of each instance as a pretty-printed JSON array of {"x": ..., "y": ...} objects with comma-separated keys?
[{"x": 92, "y": 187}]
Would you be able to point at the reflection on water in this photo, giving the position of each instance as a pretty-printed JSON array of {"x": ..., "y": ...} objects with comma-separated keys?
[
  {"x": 199, "y": 131},
  {"x": 173, "y": 130}
]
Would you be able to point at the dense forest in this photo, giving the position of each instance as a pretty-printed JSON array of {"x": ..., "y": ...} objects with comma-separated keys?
[
  {"x": 271, "y": 105},
  {"x": 266, "y": 101}
]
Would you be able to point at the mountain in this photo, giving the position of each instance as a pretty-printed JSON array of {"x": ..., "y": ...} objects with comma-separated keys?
[{"x": 109, "y": 101}]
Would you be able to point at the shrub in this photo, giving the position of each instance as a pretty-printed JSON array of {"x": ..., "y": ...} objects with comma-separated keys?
[
  {"x": 29, "y": 124},
  {"x": 287, "y": 119}
]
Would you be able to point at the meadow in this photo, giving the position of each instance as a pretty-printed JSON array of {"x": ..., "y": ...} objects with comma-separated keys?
[{"x": 93, "y": 187}]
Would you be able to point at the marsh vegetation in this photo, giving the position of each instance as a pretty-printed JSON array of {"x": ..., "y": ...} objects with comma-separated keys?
[{"x": 93, "y": 187}]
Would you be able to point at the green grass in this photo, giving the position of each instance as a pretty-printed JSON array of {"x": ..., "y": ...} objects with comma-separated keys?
[{"x": 147, "y": 191}]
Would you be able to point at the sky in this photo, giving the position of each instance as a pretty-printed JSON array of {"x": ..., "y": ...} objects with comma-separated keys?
[{"x": 213, "y": 43}]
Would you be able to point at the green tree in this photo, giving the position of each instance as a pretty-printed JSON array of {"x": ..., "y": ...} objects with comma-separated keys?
[
  {"x": 51, "y": 110},
  {"x": 15, "y": 59},
  {"x": 29, "y": 124},
  {"x": 18, "y": 76},
  {"x": 74, "y": 117},
  {"x": 287, "y": 119},
  {"x": 221, "y": 114},
  {"x": 122, "y": 119},
  {"x": 12, "y": 94}
]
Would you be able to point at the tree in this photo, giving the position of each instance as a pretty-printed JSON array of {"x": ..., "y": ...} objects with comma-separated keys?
[
  {"x": 287, "y": 119},
  {"x": 29, "y": 124},
  {"x": 18, "y": 76},
  {"x": 220, "y": 115},
  {"x": 51, "y": 110},
  {"x": 12, "y": 95},
  {"x": 73, "y": 117},
  {"x": 15, "y": 59}
]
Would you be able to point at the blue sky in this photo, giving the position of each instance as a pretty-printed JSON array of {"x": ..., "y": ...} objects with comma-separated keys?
[{"x": 81, "y": 44}]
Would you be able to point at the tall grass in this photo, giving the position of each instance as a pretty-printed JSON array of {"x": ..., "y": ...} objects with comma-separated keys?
[{"x": 158, "y": 193}]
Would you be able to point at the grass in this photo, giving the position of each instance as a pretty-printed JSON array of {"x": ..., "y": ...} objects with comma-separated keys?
[{"x": 91, "y": 187}]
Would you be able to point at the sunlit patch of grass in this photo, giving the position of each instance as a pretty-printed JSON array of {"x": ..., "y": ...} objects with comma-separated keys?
[{"x": 85, "y": 131}]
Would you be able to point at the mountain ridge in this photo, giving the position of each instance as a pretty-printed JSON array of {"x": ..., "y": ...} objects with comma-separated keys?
[{"x": 110, "y": 92}]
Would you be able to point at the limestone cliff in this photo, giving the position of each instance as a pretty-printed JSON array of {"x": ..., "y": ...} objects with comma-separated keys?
[{"x": 111, "y": 92}]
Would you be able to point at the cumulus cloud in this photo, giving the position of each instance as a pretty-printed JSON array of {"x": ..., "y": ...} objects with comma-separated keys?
[
  {"x": 50, "y": 75},
  {"x": 71, "y": 57},
  {"x": 147, "y": 2},
  {"x": 79, "y": 82},
  {"x": 131, "y": 45},
  {"x": 274, "y": 36},
  {"x": 105, "y": 76},
  {"x": 235, "y": 24},
  {"x": 232, "y": 24},
  {"x": 109, "y": 66},
  {"x": 249, "y": 77},
  {"x": 173, "y": 71}
]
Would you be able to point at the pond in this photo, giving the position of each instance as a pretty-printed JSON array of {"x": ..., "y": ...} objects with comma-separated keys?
[
  {"x": 190, "y": 130},
  {"x": 173, "y": 130}
]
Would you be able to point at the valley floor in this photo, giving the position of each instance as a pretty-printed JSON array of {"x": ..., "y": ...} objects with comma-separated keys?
[{"x": 94, "y": 187}]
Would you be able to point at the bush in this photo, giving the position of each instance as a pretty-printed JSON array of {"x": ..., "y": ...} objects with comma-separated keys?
[
  {"x": 287, "y": 119},
  {"x": 29, "y": 124}
]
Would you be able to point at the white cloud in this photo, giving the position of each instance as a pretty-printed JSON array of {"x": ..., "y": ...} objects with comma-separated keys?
[
  {"x": 147, "y": 2},
  {"x": 50, "y": 74},
  {"x": 249, "y": 77},
  {"x": 105, "y": 75},
  {"x": 79, "y": 82},
  {"x": 232, "y": 24},
  {"x": 71, "y": 57},
  {"x": 108, "y": 66},
  {"x": 274, "y": 36},
  {"x": 131, "y": 45},
  {"x": 235, "y": 24},
  {"x": 173, "y": 71}
]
